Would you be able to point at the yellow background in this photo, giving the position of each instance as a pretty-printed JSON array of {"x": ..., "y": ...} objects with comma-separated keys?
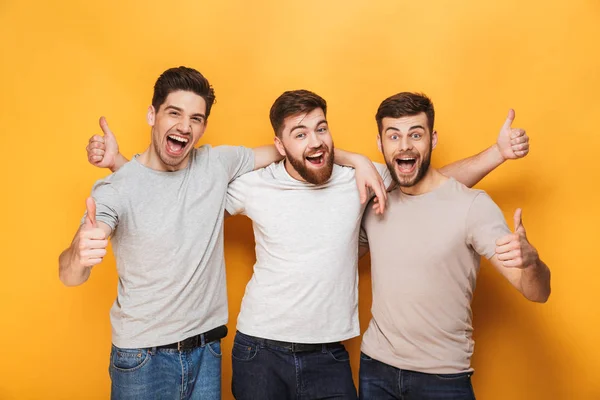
[{"x": 66, "y": 63}]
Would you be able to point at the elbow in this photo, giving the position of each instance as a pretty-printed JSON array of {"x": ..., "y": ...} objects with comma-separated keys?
[{"x": 540, "y": 297}]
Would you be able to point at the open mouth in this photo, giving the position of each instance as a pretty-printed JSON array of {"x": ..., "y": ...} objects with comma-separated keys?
[
  {"x": 406, "y": 164},
  {"x": 176, "y": 144},
  {"x": 316, "y": 159}
]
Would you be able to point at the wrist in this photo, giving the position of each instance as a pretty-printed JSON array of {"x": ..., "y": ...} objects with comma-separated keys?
[{"x": 497, "y": 154}]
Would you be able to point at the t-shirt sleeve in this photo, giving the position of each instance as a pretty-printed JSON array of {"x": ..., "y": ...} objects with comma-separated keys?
[
  {"x": 385, "y": 174},
  {"x": 237, "y": 160},
  {"x": 485, "y": 225},
  {"x": 108, "y": 204},
  {"x": 237, "y": 193}
]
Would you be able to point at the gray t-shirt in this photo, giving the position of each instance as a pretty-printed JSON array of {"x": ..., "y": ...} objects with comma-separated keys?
[
  {"x": 168, "y": 242},
  {"x": 304, "y": 287},
  {"x": 425, "y": 253}
]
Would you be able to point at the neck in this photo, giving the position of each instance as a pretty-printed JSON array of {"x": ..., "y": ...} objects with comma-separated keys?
[
  {"x": 432, "y": 180},
  {"x": 150, "y": 159},
  {"x": 292, "y": 171}
]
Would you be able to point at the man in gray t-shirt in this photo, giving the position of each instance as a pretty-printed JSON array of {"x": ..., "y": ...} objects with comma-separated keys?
[
  {"x": 425, "y": 254},
  {"x": 164, "y": 214}
]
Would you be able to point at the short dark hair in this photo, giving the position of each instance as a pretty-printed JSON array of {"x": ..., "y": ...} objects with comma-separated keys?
[
  {"x": 182, "y": 78},
  {"x": 292, "y": 103},
  {"x": 403, "y": 105}
]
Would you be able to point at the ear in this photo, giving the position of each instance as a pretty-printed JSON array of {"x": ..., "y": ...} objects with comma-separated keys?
[
  {"x": 279, "y": 146},
  {"x": 434, "y": 138},
  {"x": 150, "y": 117},
  {"x": 379, "y": 146}
]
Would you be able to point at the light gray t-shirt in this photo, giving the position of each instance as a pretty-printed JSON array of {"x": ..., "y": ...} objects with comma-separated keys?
[
  {"x": 425, "y": 253},
  {"x": 304, "y": 287},
  {"x": 168, "y": 242}
]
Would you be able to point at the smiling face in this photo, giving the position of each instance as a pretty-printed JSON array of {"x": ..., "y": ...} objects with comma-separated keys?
[
  {"x": 406, "y": 144},
  {"x": 307, "y": 144},
  {"x": 177, "y": 126}
]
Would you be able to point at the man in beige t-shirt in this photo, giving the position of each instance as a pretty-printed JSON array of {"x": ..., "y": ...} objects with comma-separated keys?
[{"x": 425, "y": 254}]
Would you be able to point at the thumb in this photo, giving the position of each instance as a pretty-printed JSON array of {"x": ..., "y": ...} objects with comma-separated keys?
[
  {"x": 105, "y": 129},
  {"x": 509, "y": 119},
  {"x": 90, "y": 206},
  {"x": 518, "y": 222}
]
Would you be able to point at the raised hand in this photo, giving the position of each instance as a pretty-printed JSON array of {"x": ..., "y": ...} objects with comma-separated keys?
[
  {"x": 90, "y": 242},
  {"x": 514, "y": 250},
  {"x": 102, "y": 151},
  {"x": 512, "y": 142}
]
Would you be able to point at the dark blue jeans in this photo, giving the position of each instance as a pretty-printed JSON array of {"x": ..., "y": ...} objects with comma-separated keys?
[
  {"x": 266, "y": 372},
  {"x": 381, "y": 382},
  {"x": 166, "y": 373}
]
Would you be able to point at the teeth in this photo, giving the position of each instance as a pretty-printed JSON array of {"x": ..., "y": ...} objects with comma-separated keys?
[
  {"x": 316, "y": 155},
  {"x": 179, "y": 139}
]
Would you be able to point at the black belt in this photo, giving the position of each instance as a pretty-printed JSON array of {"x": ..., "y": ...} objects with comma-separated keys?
[
  {"x": 199, "y": 340},
  {"x": 296, "y": 347}
]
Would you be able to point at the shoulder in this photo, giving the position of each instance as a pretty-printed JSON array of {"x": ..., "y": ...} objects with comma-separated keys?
[{"x": 342, "y": 174}]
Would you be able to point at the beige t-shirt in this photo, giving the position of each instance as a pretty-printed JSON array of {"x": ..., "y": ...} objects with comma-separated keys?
[{"x": 425, "y": 253}]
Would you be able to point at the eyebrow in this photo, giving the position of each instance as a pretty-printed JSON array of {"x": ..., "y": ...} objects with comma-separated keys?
[
  {"x": 181, "y": 110},
  {"x": 304, "y": 126},
  {"x": 410, "y": 129}
]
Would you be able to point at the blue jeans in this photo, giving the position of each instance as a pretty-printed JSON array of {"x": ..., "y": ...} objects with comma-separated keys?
[
  {"x": 381, "y": 381},
  {"x": 266, "y": 372},
  {"x": 166, "y": 373}
]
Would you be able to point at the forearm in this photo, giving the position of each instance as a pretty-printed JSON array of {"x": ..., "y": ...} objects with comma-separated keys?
[
  {"x": 120, "y": 160},
  {"x": 347, "y": 158},
  {"x": 69, "y": 272},
  {"x": 265, "y": 155},
  {"x": 471, "y": 170},
  {"x": 535, "y": 282}
]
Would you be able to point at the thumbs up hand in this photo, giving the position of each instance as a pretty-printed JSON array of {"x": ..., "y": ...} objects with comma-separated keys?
[
  {"x": 102, "y": 151},
  {"x": 514, "y": 250},
  {"x": 90, "y": 242},
  {"x": 512, "y": 142}
]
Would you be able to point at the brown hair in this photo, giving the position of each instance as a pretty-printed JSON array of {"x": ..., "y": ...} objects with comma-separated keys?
[
  {"x": 405, "y": 104},
  {"x": 182, "y": 78},
  {"x": 292, "y": 103}
]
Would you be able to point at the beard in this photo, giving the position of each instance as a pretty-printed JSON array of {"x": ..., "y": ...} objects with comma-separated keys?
[
  {"x": 420, "y": 169},
  {"x": 316, "y": 176}
]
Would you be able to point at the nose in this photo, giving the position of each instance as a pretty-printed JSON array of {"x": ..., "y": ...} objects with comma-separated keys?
[
  {"x": 314, "y": 140},
  {"x": 405, "y": 143},
  {"x": 184, "y": 126}
]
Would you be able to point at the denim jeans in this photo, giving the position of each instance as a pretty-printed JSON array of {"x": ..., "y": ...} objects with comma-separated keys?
[
  {"x": 266, "y": 372},
  {"x": 166, "y": 373},
  {"x": 381, "y": 381}
]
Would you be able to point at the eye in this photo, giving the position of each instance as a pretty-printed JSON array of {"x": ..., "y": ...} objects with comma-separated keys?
[
  {"x": 300, "y": 135},
  {"x": 322, "y": 129},
  {"x": 197, "y": 119},
  {"x": 394, "y": 137},
  {"x": 415, "y": 135},
  {"x": 173, "y": 113}
]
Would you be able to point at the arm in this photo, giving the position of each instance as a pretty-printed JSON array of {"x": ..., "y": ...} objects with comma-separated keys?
[
  {"x": 87, "y": 249},
  {"x": 519, "y": 262},
  {"x": 103, "y": 151},
  {"x": 265, "y": 155},
  {"x": 512, "y": 143},
  {"x": 366, "y": 177}
]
